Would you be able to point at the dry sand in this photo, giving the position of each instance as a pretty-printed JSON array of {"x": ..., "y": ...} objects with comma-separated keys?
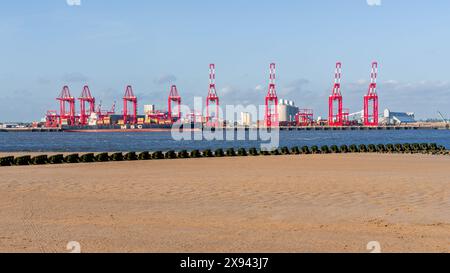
[{"x": 333, "y": 203}]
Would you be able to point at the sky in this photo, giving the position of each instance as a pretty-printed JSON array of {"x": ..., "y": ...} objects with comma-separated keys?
[{"x": 151, "y": 45}]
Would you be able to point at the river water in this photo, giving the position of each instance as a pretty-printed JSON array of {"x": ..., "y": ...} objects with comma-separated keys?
[{"x": 163, "y": 141}]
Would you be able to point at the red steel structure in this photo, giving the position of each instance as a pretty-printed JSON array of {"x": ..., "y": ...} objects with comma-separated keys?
[
  {"x": 86, "y": 97},
  {"x": 174, "y": 97},
  {"x": 345, "y": 117},
  {"x": 129, "y": 97},
  {"x": 305, "y": 117},
  {"x": 66, "y": 99},
  {"x": 194, "y": 117},
  {"x": 336, "y": 118},
  {"x": 371, "y": 99},
  {"x": 52, "y": 119},
  {"x": 100, "y": 112},
  {"x": 103, "y": 115},
  {"x": 271, "y": 114},
  {"x": 212, "y": 98},
  {"x": 113, "y": 109}
]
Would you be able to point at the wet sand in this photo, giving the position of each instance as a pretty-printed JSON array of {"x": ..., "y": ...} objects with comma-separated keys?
[{"x": 323, "y": 203}]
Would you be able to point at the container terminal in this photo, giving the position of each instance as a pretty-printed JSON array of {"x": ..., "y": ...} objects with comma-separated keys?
[{"x": 278, "y": 113}]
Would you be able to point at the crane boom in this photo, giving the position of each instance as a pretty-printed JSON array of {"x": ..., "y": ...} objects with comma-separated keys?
[{"x": 443, "y": 118}]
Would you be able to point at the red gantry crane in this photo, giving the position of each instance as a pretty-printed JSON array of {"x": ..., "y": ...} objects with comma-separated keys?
[
  {"x": 112, "y": 111},
  {"x": 271, "y": 114},
  {"x": 371, "y": 99},
  {"x": 129, "y": 97},
  {"x": 52, "y": 119},
  {"x": 305, "y": 117},
  {"x": 174, "y": 97},
  {"x": 104, "y": 116},
  {"x": 86, "y": 97},
  {"x": 336, "y": 118},
  {"x": 101, "y": 113},
  {"x": 67, "y": 116},
  {"x": 212, "y": 98}
]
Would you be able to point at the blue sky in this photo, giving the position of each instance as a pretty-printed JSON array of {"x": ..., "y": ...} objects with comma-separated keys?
[{"x": 150, "y": 44}]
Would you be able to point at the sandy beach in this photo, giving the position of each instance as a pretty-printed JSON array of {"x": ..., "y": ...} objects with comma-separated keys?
[{"x": 323, "y": 203}]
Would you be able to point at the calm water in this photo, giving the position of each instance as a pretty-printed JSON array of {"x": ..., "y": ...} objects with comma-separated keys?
[{"x": 109, "y": 142}]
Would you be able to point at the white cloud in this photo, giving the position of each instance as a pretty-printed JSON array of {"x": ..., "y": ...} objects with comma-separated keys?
[
  {"x": 73, "y": 2},
  {"x": 165, "y": 79},
  {"x": 424, "y": 97},
  {"x": 373, "y": 3},
  {"x": 228, "y": 90},
  {"x": 294, "y": 89}
]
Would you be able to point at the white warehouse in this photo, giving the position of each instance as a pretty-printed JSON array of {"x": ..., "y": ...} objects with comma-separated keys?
[
  {"x": 398, "y": 118},
  {"x": 287, "y": 110}
]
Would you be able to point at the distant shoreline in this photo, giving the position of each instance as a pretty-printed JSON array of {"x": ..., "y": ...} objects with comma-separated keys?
[{"x": 286, "y": 128}]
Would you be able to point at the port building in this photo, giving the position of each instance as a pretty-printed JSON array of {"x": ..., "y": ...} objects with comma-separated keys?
[
  {"x": 287, "y": 110},
  {"x": 246, "y": 119},
  {"x": 398, "y": 118}
]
